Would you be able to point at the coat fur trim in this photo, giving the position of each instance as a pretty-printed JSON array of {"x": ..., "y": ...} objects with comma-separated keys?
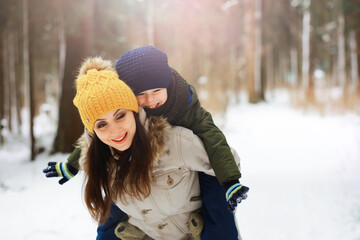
[
  {"x": 84, "y": 146},
  {"x": 157, "y": 129}
]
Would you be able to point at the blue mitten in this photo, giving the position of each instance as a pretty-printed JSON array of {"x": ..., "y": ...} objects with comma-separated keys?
[
  {"x": 60, "y": 169},
  {"x": 235, "y": 194}
]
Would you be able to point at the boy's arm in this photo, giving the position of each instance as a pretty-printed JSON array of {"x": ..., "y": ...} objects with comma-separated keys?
[
  {"x": 74, "y": 157},
  {"x": 220, "y": 156},
  {"x": 201, "y": 123},
  {"x": 66, "y": 170}
]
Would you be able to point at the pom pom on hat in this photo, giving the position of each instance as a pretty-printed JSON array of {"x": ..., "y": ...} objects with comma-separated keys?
[
  {"x": 99, "y": 91},
  {"x": 97, "y": 63},
  {"x": 144, "y": 68}
]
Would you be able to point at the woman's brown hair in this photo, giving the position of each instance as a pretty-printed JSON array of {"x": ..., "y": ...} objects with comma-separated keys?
[{"x": 108, "y": 178}]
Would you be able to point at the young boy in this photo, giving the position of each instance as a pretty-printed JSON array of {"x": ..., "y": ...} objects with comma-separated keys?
[{"x": 161, "y": 91}]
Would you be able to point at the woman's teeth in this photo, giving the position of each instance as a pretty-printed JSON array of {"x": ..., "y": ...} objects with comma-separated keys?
[{"x": 119, "y": 139}]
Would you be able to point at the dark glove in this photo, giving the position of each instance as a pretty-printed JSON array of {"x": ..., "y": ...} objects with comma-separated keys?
[
  {"x": 235, "y": 194},
  {"x": 60, "y": 169}
]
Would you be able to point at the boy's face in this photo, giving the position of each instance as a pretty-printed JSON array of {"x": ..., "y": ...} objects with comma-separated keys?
[{"x": 152, "y": 98}]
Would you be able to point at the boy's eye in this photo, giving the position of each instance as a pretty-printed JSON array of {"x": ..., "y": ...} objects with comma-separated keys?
[
  {"x": 156, "y": 90},
  {"x": 140, "y": 94}
]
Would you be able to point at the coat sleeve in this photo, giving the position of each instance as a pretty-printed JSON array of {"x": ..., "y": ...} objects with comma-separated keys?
[
  {"x": 194, "y": 154},
  {"x": 220, "y": 155},
  {"x": 74, "y": 157}
]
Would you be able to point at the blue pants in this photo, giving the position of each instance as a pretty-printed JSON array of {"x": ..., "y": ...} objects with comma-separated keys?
[
  {"x": 219, "y": 222},
  {"x": 106, "y": 231}
]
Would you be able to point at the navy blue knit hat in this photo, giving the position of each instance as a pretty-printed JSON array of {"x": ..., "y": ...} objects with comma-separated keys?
[{"x": 144, "y": 68}]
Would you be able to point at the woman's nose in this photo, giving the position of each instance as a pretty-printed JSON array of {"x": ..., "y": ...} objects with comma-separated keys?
[{"x": 115, "y": 131}]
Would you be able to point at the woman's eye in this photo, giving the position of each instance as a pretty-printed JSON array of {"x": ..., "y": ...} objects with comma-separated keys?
[
  {"x": 120, "y": 116},
  {"x": 101, "y": 125}
]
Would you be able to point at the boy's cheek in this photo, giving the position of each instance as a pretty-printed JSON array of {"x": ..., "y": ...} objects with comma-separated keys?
[
  {"x": 139, "y": 100},
  {"x": 164, "y": 99}
]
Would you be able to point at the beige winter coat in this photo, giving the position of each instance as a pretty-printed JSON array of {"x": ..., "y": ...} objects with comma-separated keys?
[{"x": 175, "y": 192}]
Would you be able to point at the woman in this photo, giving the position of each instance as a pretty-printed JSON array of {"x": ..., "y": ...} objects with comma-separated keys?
[{"x": 144, "y": 166}]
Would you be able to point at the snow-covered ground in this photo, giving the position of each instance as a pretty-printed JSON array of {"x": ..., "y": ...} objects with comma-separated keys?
[{"x": 303, "y": 170}]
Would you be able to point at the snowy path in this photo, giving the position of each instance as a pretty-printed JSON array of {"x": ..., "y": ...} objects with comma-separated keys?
[
  {"x": 303, "y": 171},
  {"x": 35, "y": 208}
]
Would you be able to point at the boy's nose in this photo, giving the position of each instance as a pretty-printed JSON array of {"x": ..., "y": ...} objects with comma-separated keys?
[{"x": 149, "y": 98}]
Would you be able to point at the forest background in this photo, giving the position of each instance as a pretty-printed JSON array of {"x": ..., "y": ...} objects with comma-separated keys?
[{"x": 311, "y": 49}]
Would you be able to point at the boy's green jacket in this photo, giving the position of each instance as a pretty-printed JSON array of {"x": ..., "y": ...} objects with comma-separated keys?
[{"x": 201, "y": 123}]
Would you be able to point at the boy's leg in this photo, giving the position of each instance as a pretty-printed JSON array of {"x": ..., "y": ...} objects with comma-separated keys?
[
  {"x": 219, "y": 222},
  {"x": 106, "y": 231}
]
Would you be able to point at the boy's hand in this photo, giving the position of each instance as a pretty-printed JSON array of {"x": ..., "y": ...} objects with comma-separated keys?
[
  {"x": 235, "y": 194},
  {"x": 60, "y": 169}
]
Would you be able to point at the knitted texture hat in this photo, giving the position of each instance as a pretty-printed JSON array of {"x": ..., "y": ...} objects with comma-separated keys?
[
  {"x": 100, "y": 91},
  {"x": 144, "y": 68}
]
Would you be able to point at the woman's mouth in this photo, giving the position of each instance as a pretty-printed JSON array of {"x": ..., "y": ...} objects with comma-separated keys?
[{"x": 120, "y": 139}]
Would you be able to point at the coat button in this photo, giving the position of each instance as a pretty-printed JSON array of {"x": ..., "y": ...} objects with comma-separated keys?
[
  {"x": 145, "y": 211},
  {"x": 161, "y": 226},
  {"x": 170, "y": 181},
  {"x": 121, "y": 229}
]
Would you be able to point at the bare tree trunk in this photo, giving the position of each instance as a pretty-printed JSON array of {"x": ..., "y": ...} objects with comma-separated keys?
[
  {"x": 294, "y": 65},
  {"x": 310, "y": 93},
  {"x": 19, "y": 74},
  {"x": 341, "y": 78},
  {"x": 357, "y": 31},
  {"x": 62, "y": 46},
  {"x": 307, "y": 54},
  {"x": 281, "y": 66},
  {"x": 29, "y": 94},
  {"x": 306, "y": 45},
  {"x": 7, "y": 103},
  {"x": 78, "y": 47},
  {"x": 2, "y": 86},
  {"x": 263, "y": 83},
  {"x": 13, "y": 85},
  {"x": 150, "y": 22},
  {"x": 353, "y": 60},
  {"x": 32, "y": 103},
  {"x": 250, "y": 50},
  {"x": 278, "y": 67},
  {"x": 270, "y": 68},
  {"x": 258, "y": 63}
]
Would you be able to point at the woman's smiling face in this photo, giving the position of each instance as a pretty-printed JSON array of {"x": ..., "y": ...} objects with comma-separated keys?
[{"x": 116, "y": 128}]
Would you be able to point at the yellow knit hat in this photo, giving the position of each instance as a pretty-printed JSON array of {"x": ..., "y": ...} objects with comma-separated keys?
[{"x": 99, "y": 92}]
